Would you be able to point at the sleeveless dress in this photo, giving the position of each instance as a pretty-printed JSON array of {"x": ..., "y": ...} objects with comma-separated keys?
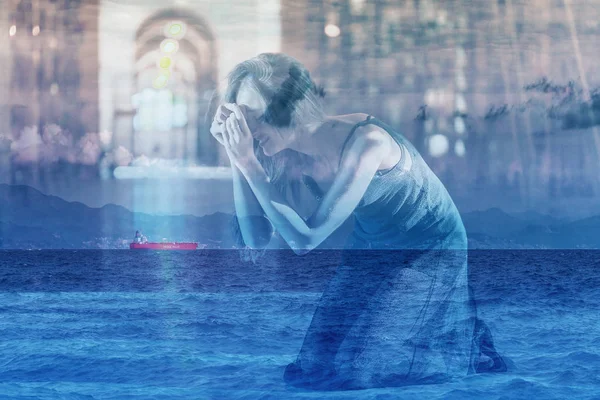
[{"x": 398, "y": 310}]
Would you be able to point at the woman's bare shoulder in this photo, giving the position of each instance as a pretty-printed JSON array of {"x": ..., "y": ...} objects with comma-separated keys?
[
  {"x": 377, "y": 137},
  {"x": 372, "y": 134}
]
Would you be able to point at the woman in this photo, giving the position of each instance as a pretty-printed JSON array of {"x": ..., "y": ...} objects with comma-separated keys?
[{"x": 385, "y": 319}]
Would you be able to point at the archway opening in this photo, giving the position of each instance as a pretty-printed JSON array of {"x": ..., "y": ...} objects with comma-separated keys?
[{"x": 175, "y": 72}]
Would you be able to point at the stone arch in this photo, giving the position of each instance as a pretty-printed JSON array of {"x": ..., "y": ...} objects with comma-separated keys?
[{"x": 191, "y": 80}]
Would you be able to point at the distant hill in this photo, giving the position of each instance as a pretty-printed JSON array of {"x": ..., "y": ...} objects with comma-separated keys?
[
  {"x": 493, "y": 222},
  {"x": 31, "y": 220},
  {"x": 494, "y": 228}
]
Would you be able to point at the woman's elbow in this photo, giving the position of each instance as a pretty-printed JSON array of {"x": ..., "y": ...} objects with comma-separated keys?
[
  {"x": 258, "y": 238},
  {"x": 301, "y": 252},
  {"x": 301, "y": 249},
  {"x": 257, "y": 243},
  {"x": 308, "y": 242},
  {"x": 256, "y": 232}
]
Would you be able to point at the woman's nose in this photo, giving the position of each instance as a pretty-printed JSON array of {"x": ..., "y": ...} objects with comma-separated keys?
[
  {"x": 252, "y": 125},
  {"x": 249, "y": 120}
]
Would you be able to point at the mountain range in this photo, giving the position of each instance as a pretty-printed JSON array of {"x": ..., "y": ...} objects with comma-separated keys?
[{"x": 30, "y": 219}]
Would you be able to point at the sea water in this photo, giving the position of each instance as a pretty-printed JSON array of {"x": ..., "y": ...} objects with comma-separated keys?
[{"x": 207, "y": 325}]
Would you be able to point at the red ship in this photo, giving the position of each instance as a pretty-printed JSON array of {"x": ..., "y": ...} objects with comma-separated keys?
[{"x": 141, "y": 242}]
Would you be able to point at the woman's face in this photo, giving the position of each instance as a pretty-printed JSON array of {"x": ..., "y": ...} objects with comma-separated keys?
[{"x": 271, "y": 139}]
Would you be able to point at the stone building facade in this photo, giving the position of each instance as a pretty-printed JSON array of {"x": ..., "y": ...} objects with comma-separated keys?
[{"x": 452, "y": 76}]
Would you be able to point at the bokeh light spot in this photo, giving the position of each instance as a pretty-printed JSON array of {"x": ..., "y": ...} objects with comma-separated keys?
[
  {"x": 357, "y": 5},
  {"x": 461, "y": 57},
  {"x": 438, "y": 145},
  {"x": 459, "y": 148},
  {"x": 332, "y": 30},
  {"x": 169, "y": 46},
  {"x": 429, "y": 125},
  {"x": 165, "y": 62},
  {"x": 174, "y": 29},
  {"x": 161, "y": 81},
  {"x": 461, "y": 103},
  {"x": 459, "y": 125}
]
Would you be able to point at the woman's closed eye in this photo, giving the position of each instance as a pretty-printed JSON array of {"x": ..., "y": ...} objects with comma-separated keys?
[{"x": 254, "y": 122}]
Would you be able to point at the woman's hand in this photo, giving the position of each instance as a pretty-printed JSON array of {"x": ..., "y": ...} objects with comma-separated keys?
[
  {"x": 218, "y": 123},
  {"x": 237, "y": 138}
]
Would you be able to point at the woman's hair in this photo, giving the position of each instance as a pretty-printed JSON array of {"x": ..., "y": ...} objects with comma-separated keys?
[{"x": 292, "y": 98}]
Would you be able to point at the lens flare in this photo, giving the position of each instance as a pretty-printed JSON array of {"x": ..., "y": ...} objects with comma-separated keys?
[
  {"x": 169, "y": 46},
  {"x": 165, "y": 62},
  {"x": 174, "y": 29}
]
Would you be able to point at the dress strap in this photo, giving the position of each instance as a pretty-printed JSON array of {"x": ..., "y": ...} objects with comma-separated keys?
[
  {"x": 358, "y": 125},
  {"x": 310, "y": 183}
]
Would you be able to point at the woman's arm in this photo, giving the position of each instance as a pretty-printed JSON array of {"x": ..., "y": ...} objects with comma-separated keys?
[
  {"x": 357, "y": 169},
  {"x": 255, "y": 228}
]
